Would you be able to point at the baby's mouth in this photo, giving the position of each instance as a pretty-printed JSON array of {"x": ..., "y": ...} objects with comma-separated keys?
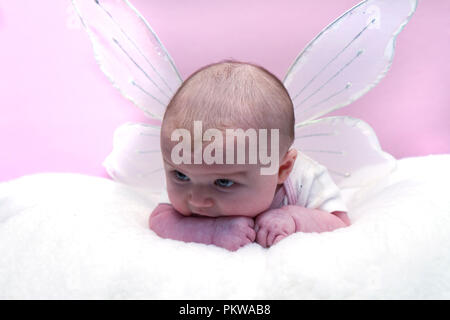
[
  {"x": 196, "y": 215},
  {"x": 203, "y": 213},
  {"x": 200, "y": 212},
  {"x": 197, "y": 211}
]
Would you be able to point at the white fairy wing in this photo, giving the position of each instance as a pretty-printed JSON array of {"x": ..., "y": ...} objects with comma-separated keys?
[
  {"x": 348, "y": 147},
  {"x": 130, "y": 53},
  {"x": 347, "y": 59},
  {"x": 136, "y": 158}
]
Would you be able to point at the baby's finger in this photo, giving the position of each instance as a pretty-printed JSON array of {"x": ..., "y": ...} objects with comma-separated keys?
[
  {"x": 245, "y": 242},
  {"x": 278, "y": 238},
  {"x": 251, "y": 235},
  {"x": 261, "y": 237},
  {"x": 270, "y": 237}
]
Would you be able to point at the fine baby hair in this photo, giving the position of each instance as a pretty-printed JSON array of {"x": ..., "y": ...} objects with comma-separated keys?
[{"x": 232, "y": 94}]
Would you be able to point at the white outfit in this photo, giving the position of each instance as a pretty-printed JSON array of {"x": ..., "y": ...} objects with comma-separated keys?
[{"x": 309, "y": 185}]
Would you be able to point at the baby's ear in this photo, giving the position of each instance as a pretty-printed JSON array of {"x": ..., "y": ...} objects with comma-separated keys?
[{"x": 286, "y": 165}]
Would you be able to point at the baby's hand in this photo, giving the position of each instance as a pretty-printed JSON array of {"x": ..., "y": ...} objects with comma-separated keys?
[
  {"x": 233, "y": 232},
  {"x": 273, "y": 225}
]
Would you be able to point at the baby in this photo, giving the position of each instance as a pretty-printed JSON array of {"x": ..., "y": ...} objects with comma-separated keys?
[{"x": 235, "y": 203}]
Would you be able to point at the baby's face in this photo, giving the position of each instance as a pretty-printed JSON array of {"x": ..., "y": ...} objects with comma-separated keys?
[{"x": 218, "y": 189}]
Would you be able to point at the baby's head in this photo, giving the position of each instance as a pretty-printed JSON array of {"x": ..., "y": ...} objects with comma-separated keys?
[{"x": 213, "y": 102}]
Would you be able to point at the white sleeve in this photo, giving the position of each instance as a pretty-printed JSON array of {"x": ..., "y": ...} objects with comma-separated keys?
[
  {"x": 325, "y": 195},
  {"x": 316, "y": 189}
]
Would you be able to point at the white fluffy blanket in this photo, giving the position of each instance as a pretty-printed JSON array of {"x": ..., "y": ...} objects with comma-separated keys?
[{"x": 72, "y": 236}]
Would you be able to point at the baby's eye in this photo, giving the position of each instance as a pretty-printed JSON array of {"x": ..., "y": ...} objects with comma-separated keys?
[
  {"x": 224, "y": 183},
  {"x": 181, "y": 176}
]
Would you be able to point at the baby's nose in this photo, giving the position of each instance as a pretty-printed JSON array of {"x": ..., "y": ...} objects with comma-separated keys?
[{"x": 199, "y": 199}]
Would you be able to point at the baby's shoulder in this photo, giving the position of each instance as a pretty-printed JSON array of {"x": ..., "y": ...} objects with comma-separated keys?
[{"x": 313, "y": 186}]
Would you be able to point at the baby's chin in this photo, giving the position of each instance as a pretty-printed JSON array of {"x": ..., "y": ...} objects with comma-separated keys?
[
  {"x": 222, "y": 215},
  {"x": 212, "y": 214},
  {"x": 250, "y": 211}
]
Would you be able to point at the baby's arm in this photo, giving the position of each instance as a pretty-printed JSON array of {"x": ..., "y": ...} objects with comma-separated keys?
[
  {"x": 314, "y": 220},
  {"x": 274, "y": 225},
  {"x": 168, "y": 223},
  {"x": 228, "y": 232}
]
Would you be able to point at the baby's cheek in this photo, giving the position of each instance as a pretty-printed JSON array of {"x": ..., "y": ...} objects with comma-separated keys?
[
  {"x": 180, "y": 207},
  {"x": 177, "y": 200},
  {"x": 249, "y": 205}
]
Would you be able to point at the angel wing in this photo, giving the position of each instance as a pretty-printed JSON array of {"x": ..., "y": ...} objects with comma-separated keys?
[
  {"x": 133, "y": 58},
  {"x": 130, "y": 53},
  {"x": 347, "y": 59},
  {"x": 136, "y": 158},
  {"x": 348, "y": 147}
]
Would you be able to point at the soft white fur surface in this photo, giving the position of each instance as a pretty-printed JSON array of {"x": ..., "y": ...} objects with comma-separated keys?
[{"x": 70, "y": 236}]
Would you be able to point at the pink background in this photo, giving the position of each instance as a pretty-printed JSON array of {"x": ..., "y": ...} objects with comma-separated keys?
[{"x": 58, "y": 111}]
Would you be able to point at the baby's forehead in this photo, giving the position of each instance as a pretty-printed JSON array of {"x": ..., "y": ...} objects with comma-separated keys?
[
  {"x": 214, "y": 169},
  {"x": 237, "y": 142}
]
